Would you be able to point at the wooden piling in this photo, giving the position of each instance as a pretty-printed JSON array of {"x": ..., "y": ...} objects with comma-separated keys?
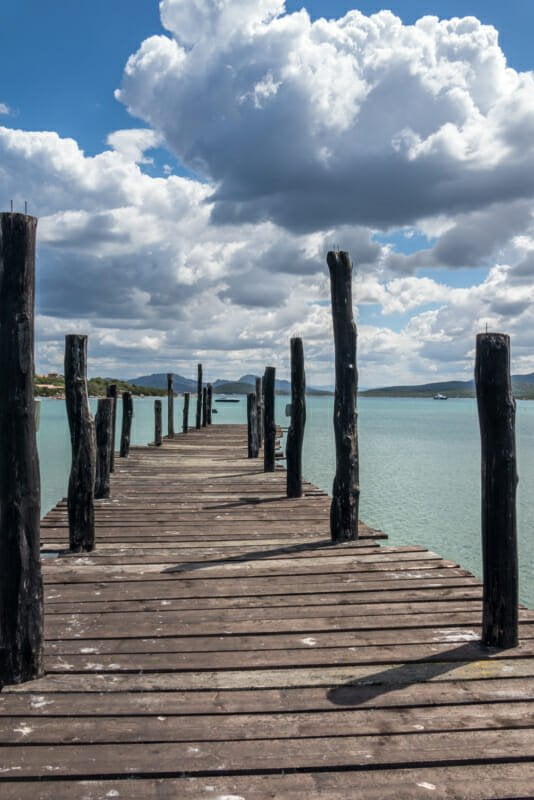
[
  {"x": 209, "y": 403},
  {"x": 346, "y": 489},
  {"x": 185, "y": 413},
  {"x": 111, "y": 391},
  {"x": 157, "y": 422},
  {"x": 204, "y": 406},
  {"x": 82, "y": 436},
  {"x": 259, "y": 409},
  {"x": 268, "y": 420},
  {"x": 170, "y": 405},
  {"x": 496, "y": 412},
  {"x": 127, "y": 415},
  {"x": 103, "y": 428},
  {"x": 199, "y": 397},
  {"x": 21, "y": 592},
  {"x": 295, "y": 434},
  {"x": 252, "y": 426}
]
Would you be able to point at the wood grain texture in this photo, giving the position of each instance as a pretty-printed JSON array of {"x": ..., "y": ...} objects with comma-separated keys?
[{"x": 217, "y": 644}]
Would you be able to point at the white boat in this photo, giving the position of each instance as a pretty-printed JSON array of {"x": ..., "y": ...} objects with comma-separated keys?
[{"x": 440, "y": 397}]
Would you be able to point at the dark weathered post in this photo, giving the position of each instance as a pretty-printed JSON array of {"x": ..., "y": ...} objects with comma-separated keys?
[
  {"x": 209, "y": 403},
  {"x": 204, "y": 406},
  {"x": 127, "y": 414},
  {"x": 268, "y": 420},
  {"x": 496, "y": 413},
  {"x": 82, "y": 437},
  {"x": 252, "y": 425},
  {"x": 170, "y": 405},
  {"x": 259, "y": 408},
  {"x": 295, "y": 434},
  {"x": 21, "y": 591},
  {"x": 199, "y": 396},
  {"x": 103, "y": 426},
  {"x": 111, "y": 391},
  {"x": 346, "y": 489},
  {"x": 185, "y": 416},
  {"x": 157, "y": 422}
]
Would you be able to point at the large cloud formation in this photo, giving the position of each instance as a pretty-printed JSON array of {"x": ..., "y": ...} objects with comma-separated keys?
[
  {"x": 360, "y": 120},
  {"x": 303, "y": 136}
]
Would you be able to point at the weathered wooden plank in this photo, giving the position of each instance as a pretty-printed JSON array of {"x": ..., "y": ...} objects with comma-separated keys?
[{"x": 175, "y": 759}]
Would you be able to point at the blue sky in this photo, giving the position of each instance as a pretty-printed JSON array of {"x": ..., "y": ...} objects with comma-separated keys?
[{"x": 253, "y": 170}]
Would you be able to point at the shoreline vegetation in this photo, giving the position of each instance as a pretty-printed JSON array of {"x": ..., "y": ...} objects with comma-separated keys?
[
  {"x": 53, "y": 385},
  {"x": 522, "y": 388}
]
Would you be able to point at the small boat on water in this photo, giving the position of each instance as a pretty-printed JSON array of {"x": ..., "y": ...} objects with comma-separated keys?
[
  {"x": 227, "y": 399},
  {"x": 440, "y": 397}
]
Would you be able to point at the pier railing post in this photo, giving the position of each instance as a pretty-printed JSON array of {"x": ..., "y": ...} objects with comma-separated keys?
[
  {"x": 185, "y": 414},
  {"x": 170, "y": 405},
  {"x": 103, "y": 427},
  {"x": 346, "y": 489},
  {"x": 259, "y": 409},
  {"x": 82, "y": 436},
  {"x": 198, "y": 420},
  {"x": 496, "y": 412},
  {"x": 126, "y": 429},
  {"x": 268, "y": 420},
  {"x": 111, "y": 391},
  {"x": 209, "y": 402},
  {"x": 295, "y": 434},
  {"x": 252, "y": 426},
  {"x": 21, "y": 591},
  {"x": 157, "y": 422},
  {"x": 204, "y": 407}
]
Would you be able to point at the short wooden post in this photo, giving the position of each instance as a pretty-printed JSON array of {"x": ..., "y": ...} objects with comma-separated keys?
[
  {"x": 209, "y": 402},
  {"x": 268, "y": 419},
  {"x": 111, "y": 391},
  {"x": 170, "y": 405},
  {"x": 21, "y": 591},
  {"x": 185, "y": 415},
  {"x": 126, "y": 430},
  {"x": 199, "y": 397},
  {"x": 204, "y": 406},
  {"x": 496, "y": 412},
  {"x": 295, "y": 434},
  {"x": 157, "y": 422},
  {"x": 252, "y": 425},
  {"x": 82, "y": 436},
  {"x": 103, "y": 427},
  {"x": 346, "y": 489}
]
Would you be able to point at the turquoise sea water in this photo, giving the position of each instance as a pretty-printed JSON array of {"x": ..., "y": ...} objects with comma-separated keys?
[{"x": 419, "y": 467}]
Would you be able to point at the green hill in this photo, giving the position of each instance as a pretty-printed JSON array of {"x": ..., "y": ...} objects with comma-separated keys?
[{"x": 522, "y": 386}]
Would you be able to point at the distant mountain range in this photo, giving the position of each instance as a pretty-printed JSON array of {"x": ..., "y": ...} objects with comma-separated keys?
[
  {"x": 244, "y": 385},
  {"x": 522, "y": 386}
]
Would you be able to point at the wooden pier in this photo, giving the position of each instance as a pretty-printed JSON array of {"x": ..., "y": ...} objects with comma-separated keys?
[{"x": 217, "y": 646}]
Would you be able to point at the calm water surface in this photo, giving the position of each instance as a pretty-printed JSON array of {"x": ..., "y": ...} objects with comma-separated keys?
[{"x": 419, "y": 467}]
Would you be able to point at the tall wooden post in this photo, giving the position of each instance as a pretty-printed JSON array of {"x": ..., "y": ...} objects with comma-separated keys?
[
  {"x": 204, "y": 406},
  {"x": 185, "y": 415},
  {"x": 259, "y": 408},
  {"x": 103, "y": 427},
  {"x": 170, "y": 405},
  {"x": 82, "y": 437},
  {"x": 295, "y": 434},
  {"x": 496, "y": 412},
  {"x": 268, "y": 420},
  {"x": 209, "y": 402},
  {"x": 21, "y": 591},
  {"x": 111, "y": 391},
  {"x": 127, "y": 414},
  {"x": 252, "y": 426},
  {"x": 157, "y": 422},
  {"x": 199, "y": 397},
  {"x": 346, "y": 489}
]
